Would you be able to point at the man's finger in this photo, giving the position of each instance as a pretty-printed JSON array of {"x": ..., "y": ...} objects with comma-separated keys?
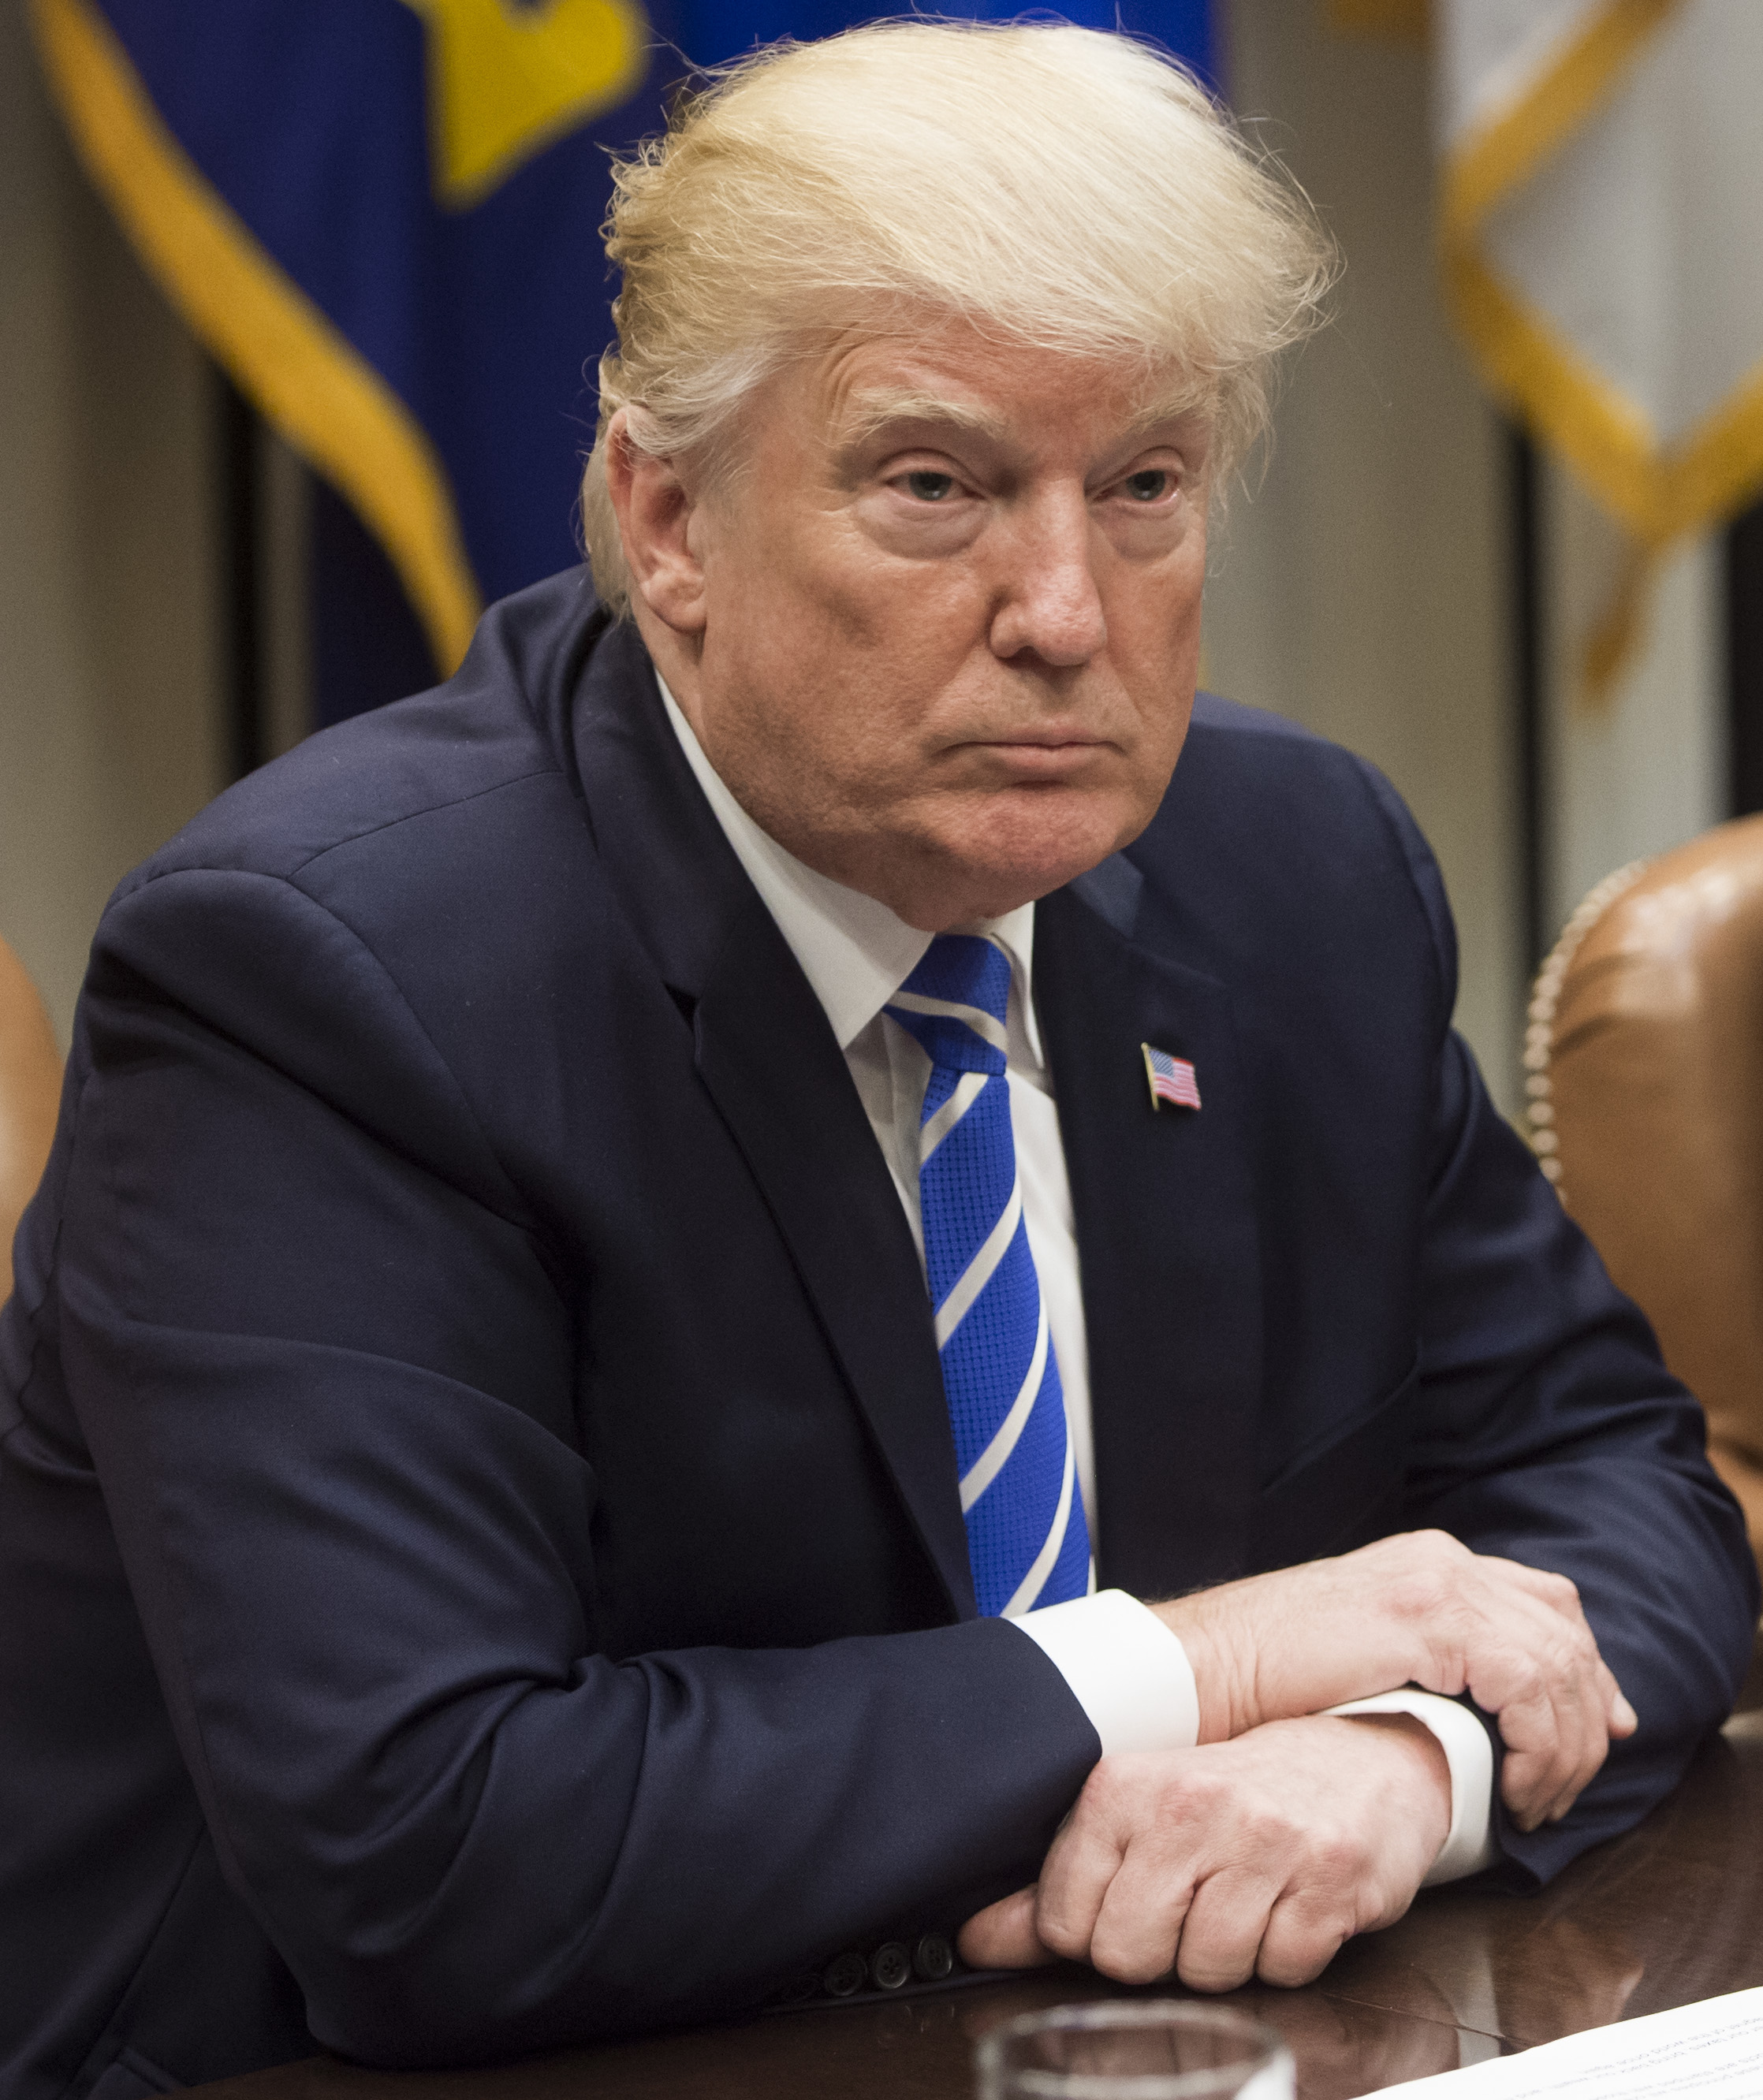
[
  {"x": 1577, "y": 1780},
  {"x": 1085, "y": 1858},
  {"x": 1222, "y": 1934},
  {"x": 1534, "y": 1783},
  {"x": 1554, "y": 1699},
  {"x": 1553, "y": 1752},
  {"x": 1143, "y": 1916},
  {"x": 1003, "y": 1936},
  {"x": 1621, "y": 1722},
  {"x": 1542, "y": 1784},
  {"x": 1559, "y": 1592},
  {"x": 1300, "y": 1940}
]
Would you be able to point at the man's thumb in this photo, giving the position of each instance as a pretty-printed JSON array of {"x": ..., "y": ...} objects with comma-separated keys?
[{"x": 1003, "y": 1936}]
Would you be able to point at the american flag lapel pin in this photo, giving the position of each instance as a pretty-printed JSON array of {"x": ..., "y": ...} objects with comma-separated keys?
[{"x": 1171, "y": 1079}]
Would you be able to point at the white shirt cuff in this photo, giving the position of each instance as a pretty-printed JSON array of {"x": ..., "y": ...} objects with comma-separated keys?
[
  {"x": 1127, "y": 1670},
  {"x": 1469, "y": 1846}
]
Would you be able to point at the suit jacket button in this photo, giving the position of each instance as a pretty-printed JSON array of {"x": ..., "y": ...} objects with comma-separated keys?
[
  {"x": 933, "y": 1957},
  {"x": 849, "y": 1973},
  {"x": 890, "y": 1967}
]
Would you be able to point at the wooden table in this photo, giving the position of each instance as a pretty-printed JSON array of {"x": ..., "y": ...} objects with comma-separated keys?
[{"x": 1670, "y": 1912}]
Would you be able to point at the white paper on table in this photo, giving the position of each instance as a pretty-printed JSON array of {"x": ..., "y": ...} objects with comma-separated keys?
[{"x": 1712, "y": 2050}]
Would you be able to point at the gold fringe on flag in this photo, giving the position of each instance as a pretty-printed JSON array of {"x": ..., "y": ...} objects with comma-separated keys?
[{"x": 324, "y": 396}]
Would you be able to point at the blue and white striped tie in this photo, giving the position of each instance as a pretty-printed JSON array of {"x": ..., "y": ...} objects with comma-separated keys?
[{"x": 1026, "y": 1534}]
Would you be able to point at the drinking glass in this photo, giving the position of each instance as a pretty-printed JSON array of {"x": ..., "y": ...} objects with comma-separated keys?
[{"x": 1134, "y": 2048}]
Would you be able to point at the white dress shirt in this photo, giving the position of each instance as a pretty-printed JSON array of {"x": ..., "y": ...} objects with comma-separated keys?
[{"x": 1124, "y": 1666}]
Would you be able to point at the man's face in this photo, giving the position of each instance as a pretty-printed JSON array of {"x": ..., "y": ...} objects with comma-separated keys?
[{"x": 940, "y": 629}]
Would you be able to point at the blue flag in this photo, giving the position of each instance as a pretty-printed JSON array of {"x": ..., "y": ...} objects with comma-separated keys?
[{"x": 383, "y": 218}]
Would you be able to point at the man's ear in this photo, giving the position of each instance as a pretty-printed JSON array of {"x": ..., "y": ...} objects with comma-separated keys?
[{"x": 655, "y": 509}]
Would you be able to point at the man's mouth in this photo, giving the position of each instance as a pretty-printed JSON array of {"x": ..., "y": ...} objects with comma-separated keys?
[{"x": 1039, "y": 755}]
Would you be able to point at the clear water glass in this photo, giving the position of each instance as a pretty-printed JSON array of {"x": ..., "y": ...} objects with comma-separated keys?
[{"x": 1134, "y": 2048}]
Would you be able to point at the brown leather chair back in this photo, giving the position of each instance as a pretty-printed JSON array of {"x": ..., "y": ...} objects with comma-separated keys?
[
  {"x": 1645, "y": 1063},
  {"x": 30, "y": 1087}
]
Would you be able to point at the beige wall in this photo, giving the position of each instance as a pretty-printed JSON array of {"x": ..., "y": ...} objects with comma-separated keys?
[
  {"x": 1361, "y": 590},
  {"x": 109, "y": 717}
]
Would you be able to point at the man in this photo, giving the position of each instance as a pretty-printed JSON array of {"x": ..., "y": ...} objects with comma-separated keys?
[{"x": 503, "y": 1546}]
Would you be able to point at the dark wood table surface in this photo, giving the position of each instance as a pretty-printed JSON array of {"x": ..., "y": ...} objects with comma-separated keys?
[{"x": 1671, "y": 1913}]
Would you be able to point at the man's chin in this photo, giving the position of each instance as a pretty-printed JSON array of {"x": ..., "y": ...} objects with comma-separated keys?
[
  {"x": 984, "y": 856},
  {"x": 1027, "y": 862},
  {"x": 974, "y": 893}
]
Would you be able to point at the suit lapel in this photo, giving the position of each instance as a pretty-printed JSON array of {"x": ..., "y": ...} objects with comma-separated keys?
[
  {"x": 804, "y": 1135},
  {"x": 767, "y": 1057},
  {"x": 1166, "y": 1232}
]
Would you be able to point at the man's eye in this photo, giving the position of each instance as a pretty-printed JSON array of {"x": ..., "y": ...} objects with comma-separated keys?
[
  {"x": 929, "y": 488},
  {"x": 1148, "y": 484}
]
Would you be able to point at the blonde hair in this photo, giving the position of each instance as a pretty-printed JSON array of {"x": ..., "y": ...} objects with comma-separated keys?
[{"x": 1066, "y": 188}]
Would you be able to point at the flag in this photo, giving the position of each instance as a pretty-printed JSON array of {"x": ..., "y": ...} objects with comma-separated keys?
[
  {"x": 383, "y": 216},
  {"x": 1602, "y": 185},
  {"x": 1172, "y": 1080}
]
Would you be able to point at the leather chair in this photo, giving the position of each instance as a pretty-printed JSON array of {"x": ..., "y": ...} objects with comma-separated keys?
[
  {"x": 1644, "y": 1060},
  {"x": 30, "y": 1088}
]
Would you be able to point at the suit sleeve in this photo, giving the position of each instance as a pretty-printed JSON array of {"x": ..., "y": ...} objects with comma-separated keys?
[
  {"x": 1549, "y": 1431},
  {"x": 322, "y": 1360}
]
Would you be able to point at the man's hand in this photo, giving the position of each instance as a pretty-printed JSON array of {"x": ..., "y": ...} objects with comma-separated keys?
[
  {"x": 1255, "y": 1857},
  {"x": 1419, "y": 1609}
]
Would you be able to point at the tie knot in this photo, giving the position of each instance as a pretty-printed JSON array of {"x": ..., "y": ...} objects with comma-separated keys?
[{"x": 955, "y": 1002}]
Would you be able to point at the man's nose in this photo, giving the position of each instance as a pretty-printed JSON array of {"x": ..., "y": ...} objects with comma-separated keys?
[{"x": 1048, "y": 604}]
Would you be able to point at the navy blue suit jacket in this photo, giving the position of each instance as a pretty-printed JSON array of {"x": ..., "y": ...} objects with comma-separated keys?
[{"x": 480, "y": 1565}]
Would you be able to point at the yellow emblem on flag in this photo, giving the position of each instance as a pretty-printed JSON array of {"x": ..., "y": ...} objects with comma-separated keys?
[{"x": 505, "y": 80}]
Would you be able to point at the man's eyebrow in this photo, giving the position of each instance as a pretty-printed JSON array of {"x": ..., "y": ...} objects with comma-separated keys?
[
  {"x": 874, "y": 410},
  {"x": 1180, "y": 407}
]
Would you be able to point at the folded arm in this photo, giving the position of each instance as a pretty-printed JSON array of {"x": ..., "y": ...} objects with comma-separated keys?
[
  {"x": 1576, "y": 1537},
  {"x": 1284, "y": 1830},
  {"x": 327, "y": 1364}
]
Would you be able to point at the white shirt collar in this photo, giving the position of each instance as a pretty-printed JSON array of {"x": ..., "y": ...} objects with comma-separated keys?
[{"x": 854, "y": 951}]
